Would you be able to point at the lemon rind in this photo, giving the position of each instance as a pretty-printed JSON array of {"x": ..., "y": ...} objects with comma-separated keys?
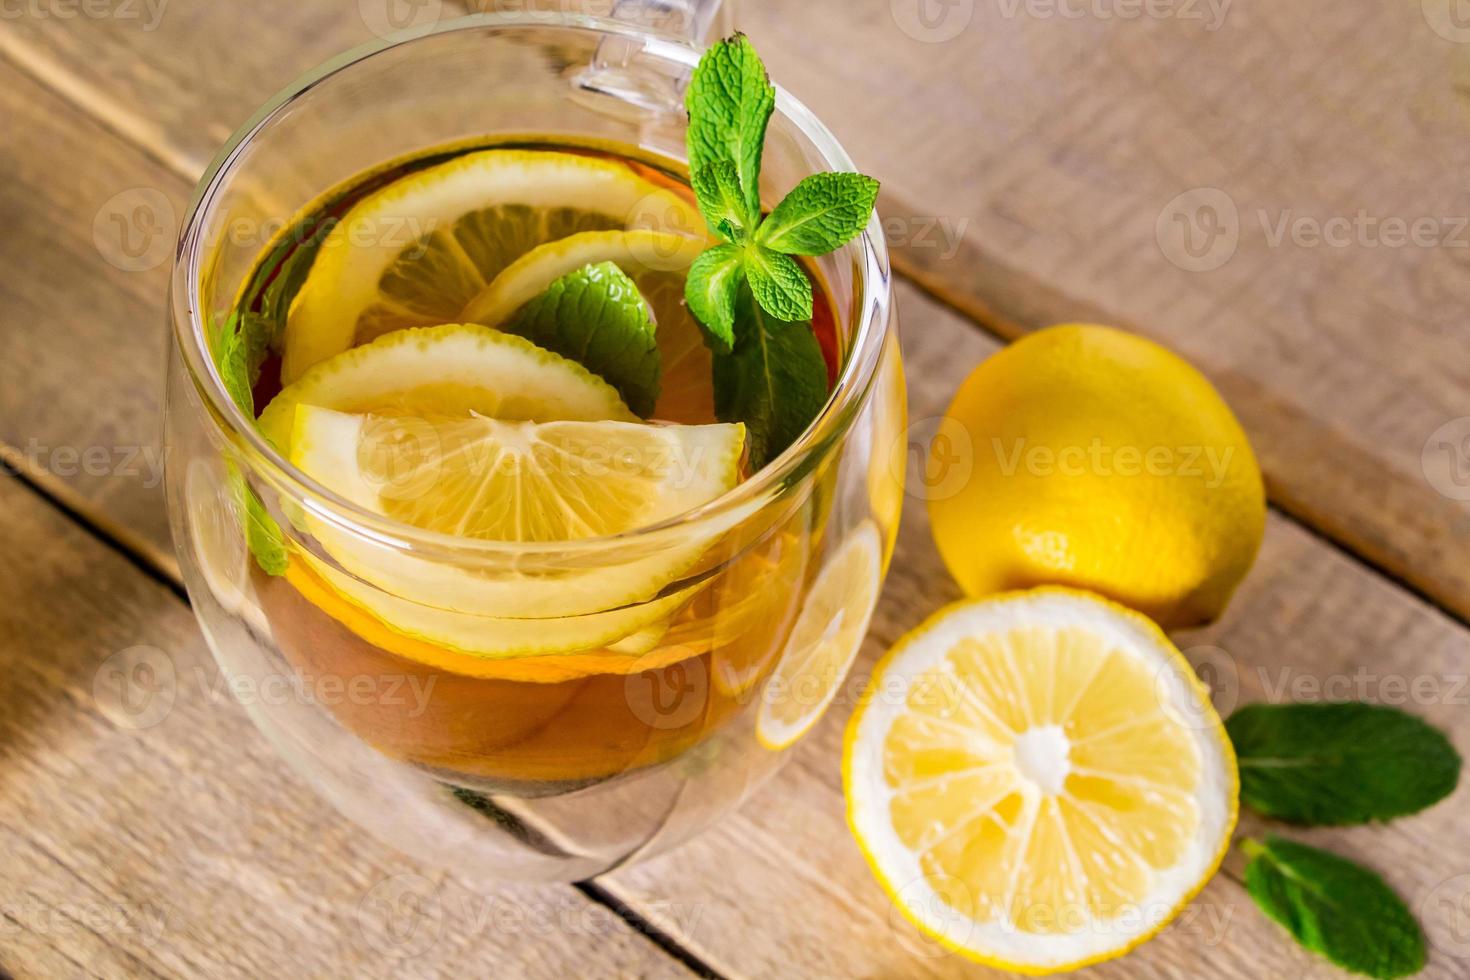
[{"x": 1220, "y": 743}]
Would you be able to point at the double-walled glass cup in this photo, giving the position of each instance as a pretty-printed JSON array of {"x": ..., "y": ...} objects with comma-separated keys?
[{"x": 549, "y": 765}]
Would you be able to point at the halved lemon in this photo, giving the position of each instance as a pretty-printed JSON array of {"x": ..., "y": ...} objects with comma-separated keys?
[
  {"x": 1038, "y": 779},
  {"x": 825, "y": 640},
  {"x": 416, "y": 251},
  {"x": 452, "y": 369},
  {"x": 495, "y": 480},
  {"x": 658, "y": 263}
]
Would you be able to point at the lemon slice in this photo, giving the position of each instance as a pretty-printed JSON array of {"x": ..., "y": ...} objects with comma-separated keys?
[
  {"x": 658, "y": 263},
  {"x": 603, "y": 638},
  {"x": 1052, "y": 787},
  {"x": 826, "y": 638},
  {"x": 632, "y": 655},
  {"x": 449, "y": 369},
  {"x": 497, "y": 480},
  {"x": 416, "y": 251}
]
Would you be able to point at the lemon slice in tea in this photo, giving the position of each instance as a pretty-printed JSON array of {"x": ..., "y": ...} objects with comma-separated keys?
[
  {"x": 1039, "y": 780},
  {"x": 448, "y": 369},
  {"x": 658, "y": 263},
  {"x": 825, "y": 640},
  {"x": 496, "y": 480},
  {"x": 416, "y": 251}
]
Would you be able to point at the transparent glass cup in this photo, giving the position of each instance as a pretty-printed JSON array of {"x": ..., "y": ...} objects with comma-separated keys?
[{"x": 538, "y": 767}]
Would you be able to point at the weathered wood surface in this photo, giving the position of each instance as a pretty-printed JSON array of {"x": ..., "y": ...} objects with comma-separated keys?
[
  {"x": 148, "y": 831},
  {"x": 780, "y": 887}
]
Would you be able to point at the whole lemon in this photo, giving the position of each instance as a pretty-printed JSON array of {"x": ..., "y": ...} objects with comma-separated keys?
[{"x": 1085, "y": 456}]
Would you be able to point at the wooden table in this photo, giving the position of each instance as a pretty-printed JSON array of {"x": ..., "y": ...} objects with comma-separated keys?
[{"x": 1159, "y": 167}]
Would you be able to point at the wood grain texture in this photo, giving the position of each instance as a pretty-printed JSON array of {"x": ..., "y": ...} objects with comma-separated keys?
[
  {"x": 91, "y": 221},
  {"x": 784, "y": 869},
  {"x": 148, "y": 831},
  {"x": 1032, "y": 160}
]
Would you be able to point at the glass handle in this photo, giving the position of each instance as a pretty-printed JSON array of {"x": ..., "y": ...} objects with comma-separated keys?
[{"x": 692, "y": 20}]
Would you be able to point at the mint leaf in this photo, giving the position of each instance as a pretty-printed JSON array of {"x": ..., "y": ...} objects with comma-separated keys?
[
  {"x": 597, "y": 317},
  {"x": 238, "y": 347},
  {"x": 774, "y": 380},
  {"x": 1334, "y": 907},
  {"x": 275, "y": 300},
  {"x": 730, "y": 100},
  {"x": 262, "y": 534},
  {"x": 231, "y": 352},
  {"x": 717, "y": 192},
  {"x": 1338, "y": 764},
  {"x": 821, "y": 214},
  {"x": 710, "y": 292},
  {"x": 779, "y": 284}
]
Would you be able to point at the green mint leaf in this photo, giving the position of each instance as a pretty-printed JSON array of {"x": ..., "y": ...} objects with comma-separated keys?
[
  {"x": 263, "y": 535},
  {"x": 238, "y": 347},
  {"x": 1334, "y": 907},
  {"x": 774, "y": 379},
  {"x": 597, "y": 317},
  {"x": 710, "y": 292},
  {"x": 820, "y": 215},
  {"x": 275, "y": 300},
  {"x": 779, "y": 284},
  {"x": 1338, "y": 764},
  {"x": 730, "y": 100},
  {"x": 717, "y": 191},
  {"x": 230, "y": 349}
]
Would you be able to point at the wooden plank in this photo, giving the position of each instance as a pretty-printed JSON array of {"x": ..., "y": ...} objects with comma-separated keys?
[
  {"x": 1032, "y": 162},
  {"x": 95, "y": 249},
  {"x": 164, "y": 72},
  {"x": 161, "y": 837}
]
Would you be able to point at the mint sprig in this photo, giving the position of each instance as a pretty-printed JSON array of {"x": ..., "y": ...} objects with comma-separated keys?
[
  {"x": 596, "y": 316},
  {"x": 730, "y": 101},
  {"x": 1334, "y": 907},
  {"x": 1339, "y": 764}
]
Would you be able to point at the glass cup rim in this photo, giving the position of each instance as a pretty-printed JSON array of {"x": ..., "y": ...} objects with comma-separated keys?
[{"x": 849, "y": 392}]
